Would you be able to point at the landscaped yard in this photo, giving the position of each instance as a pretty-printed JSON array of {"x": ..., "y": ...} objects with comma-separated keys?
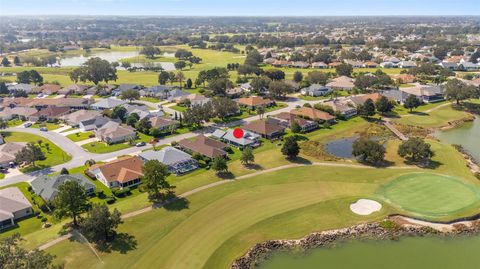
[
  {"x": 49, "y": 125},
  {"x": 80, "y": 136},
  {"x": 54, "y": 155},
  {"x": 102, "y": 147}
]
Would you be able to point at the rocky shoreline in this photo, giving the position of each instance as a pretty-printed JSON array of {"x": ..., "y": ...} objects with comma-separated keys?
[
  {"x": 472, "y": 163},
  {"x": 458, "y": 123},
  {"x": 391, "y": 229}
]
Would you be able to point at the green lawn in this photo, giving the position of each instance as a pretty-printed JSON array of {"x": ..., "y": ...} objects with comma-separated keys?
[
  {"x": 431, "y": 195},
  {"x": 150, "y": 99},
  {"x": 435, "y": 119},
  {"x": 54, "y": 155},
  {"x": 220, "y": 224},
  {"x": 50, "y": 126},
  {"x": 80, "y": 136},
  {"x": 28, "y": 224},
  {"x": 14, "y": 122},
  {"x": 102, "y": 147},
  {"x": 179, "y": 108}
]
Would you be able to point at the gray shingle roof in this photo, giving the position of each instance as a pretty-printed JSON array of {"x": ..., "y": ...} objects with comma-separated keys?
[{"x": 47, "y": 186}]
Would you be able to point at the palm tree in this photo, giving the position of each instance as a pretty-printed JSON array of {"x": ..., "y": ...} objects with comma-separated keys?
[
  {"x": 180, "y": 77},
  {"x": 261, "y": 111}
]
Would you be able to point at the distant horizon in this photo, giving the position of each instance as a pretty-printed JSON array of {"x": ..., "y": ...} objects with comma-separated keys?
[{"x": 246, "y": 8}]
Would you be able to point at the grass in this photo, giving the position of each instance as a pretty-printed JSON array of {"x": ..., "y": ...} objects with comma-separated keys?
[
  {"x": 220, "y": 224},
  {"x": 49, "y": 125},
  {"x": 435, "y": 119},
  {"x": 431, "y": 195},
  {"x": 150, "y": 99},
  {"x": 179, "y": 108},
  {"x": 80, "y": 136},
  {"x": 54, "y": 156},
  {"x": 26, "y": 225},
  {"x": 102, "y": 147},
  {"x": 14, "y": 122}
]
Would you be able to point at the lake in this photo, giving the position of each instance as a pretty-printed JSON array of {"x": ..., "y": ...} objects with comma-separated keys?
[
  {"x": 115, "y": 56},
  {"x": 341, "y": 148},
  {"x": 410, "y": 253},
  {"x": 467, "y": 135}
]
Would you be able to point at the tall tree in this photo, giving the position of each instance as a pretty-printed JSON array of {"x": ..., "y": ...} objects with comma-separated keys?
[
  {"x": 130, "y": 95},
  {"x": 71, "y": 200},
  {"x": 367, "y": 109},
  {"x": 344, "y": 70},
  {"x": 384, "y": 105},
  {"x": 144, "y": 125},
  {"x": 16, "y": 60},
  {"x": 155, "y": 180},
  {"x": 163, "y": 77},
  {"x": 94, "y": 70},
  {"x": 317, "y": 77},
  {"x": 29, "y": 154},
  {"x": 247, "y": 156},
  {"x": 100, "y": 224},
  {"x": 180, "y": 77},
  {"x": 219, "y": 164},
  {"x": 291, "y": 149},
  {"x": 368, "y": 151},
  {"x": 279, "y": 89},
  {"x": 457, "y": 90},
  {"x": 150, "y": 51},
  {"x": 4, "y": 88},
  {"x": 415, "y": 149},
  {"x": 180, "y": 65},
  {"x": 297, "y": 76},
  {"x": 411, "y": 102},
  {"x": 12, "y": 255},
  {"x": 5, "y": 62},
  {"x": 224, "y": 107},
  {"x": 119, "y": 112}
]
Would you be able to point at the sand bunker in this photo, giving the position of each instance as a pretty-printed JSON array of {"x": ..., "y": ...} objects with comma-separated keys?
[{"x": 365, "y": 207}]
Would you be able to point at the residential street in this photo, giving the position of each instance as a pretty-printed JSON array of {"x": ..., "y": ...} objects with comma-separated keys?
[{"x": 80, "y": 156}]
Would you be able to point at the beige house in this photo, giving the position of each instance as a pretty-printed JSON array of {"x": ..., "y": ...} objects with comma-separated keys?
[
  {"x": 114, "y": 132},
  {"x": 13, "y": 206},
  {"x": 124, "y": 172},
  {"x": 8, "y": 151}
]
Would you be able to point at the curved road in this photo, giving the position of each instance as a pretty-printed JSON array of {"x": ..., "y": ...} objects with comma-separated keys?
[{"x": 80, "y": 156}]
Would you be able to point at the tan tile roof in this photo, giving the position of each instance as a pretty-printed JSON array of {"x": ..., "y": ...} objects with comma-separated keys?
[
  {"x": 312, "y": 113},
  {"x": 205, "y": 146},
  {"x": 52, "y": 111},
  {"x": 161, "y": 122},
  {"x": 264, "y": 127},
  {"x": 254, "y": 101},
  {"x": 121, "y": 170},
  {"x": 11, "y": 201}
]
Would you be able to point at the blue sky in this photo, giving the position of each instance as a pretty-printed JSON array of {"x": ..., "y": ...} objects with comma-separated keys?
[{"x": 241, "y": 7}]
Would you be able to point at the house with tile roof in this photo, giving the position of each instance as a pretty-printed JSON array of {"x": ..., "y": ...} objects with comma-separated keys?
[
  {"x": 50, "y": 113},
  {"x": 268, "y": 128},
  {"x": 342, "y": 83},
  {"x": 287, "y": 119},
  {"x": 204, "y": 146},
  {"x": 255, "y": 101},
  {"x": 108, "y": 103},
  {"x": 313, "y": 114},
  {"x": 120, "y": 173},
  {"x": 13, "y": 206}
]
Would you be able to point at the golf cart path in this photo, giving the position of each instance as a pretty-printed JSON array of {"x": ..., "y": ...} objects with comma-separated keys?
[{"x": 217, "y": 183}]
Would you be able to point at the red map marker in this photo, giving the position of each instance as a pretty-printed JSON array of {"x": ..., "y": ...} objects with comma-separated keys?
[{"x": 238, "y": 133}]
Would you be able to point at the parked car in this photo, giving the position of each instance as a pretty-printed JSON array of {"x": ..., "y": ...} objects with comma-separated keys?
[
  {"x": 27, "y": 124},
  {"x": 44, "y": 129},
  {"x": 140, "y": 144}
]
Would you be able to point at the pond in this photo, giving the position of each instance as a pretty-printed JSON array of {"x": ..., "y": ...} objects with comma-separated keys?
[
  {"x": 411, "y": 253},
  {"x": 467, "y": 135},
  {"x": 341, "y": 148},
  {"x": 115, "y": 56}
]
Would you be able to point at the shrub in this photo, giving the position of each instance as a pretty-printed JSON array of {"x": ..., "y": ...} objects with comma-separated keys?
[{"x": 111, "y": 200}]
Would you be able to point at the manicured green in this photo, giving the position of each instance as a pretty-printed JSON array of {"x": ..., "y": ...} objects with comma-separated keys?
[
  {"x": 431, "y": 195},
  {"x": 102, "y": 147}
]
